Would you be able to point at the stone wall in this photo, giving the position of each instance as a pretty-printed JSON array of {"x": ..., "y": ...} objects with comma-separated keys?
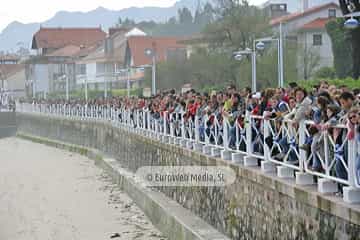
[
  {"x": 256, "y": 206},
  {"x": 7, "y": 124}
]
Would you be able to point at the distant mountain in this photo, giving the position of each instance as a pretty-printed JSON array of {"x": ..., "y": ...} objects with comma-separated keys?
[{"x": 18, "y": 34}]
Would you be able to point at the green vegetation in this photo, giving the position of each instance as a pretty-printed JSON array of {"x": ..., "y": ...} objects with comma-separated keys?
[
  {"x": 212, "y": 65},
  {"x": 233, "y": 25},
  {"x": 341, "y": 45},
  {"x": 349, "y": 82},
  {"x": 353, "y": 35},
  {"x": 325, "y": 73},
  {"x": 184, "y": 25}
]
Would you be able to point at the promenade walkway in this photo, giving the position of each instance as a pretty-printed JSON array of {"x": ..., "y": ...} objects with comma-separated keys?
[{"x": 47, "y": 193}]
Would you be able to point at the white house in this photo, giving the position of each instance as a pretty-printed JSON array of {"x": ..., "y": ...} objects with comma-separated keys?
[
  {"x": 12, "y": 79},
  {"x": 307, "y": 28},
  {"x": 297, "y": 5},
  {"x": 104, "y": 64},
  {"x": 55, "y": 47}
]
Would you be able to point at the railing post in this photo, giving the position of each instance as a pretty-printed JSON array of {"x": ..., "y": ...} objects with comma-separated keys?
[
  {"x": 267, "y": 153},
  {"x": 137, "y": 118},
  {"x": 165, "y": 123},
  {"x": 248, "y": 133},
  {"x": 302, "y": 137},
  {"x": 352, "y": 153},
  {"x": 148, "y": 121},
  {"x": 183, "y": 134},
  {"x": 326, "y": 151},
  {"x": 197, "y": 129},
  {"x": 226, "y": 133},
  {"x": 352, "y": 193},
  {"x": 144, "y": 119},
  {"x": 171, "y": 122},
  {"x": 207, "y": 138}
]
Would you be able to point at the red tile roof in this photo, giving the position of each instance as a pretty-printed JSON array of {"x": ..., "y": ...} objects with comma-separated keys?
[
  {"x": 67, "y": 51},
  {"x": 60, "y": 37},
  {"x": 319, "y": 23},
  {"x": 297, "y": 15},
  {"x": 138, "y": 44}
]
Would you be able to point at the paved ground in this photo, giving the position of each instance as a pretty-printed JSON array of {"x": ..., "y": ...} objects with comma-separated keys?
[{"x": 50, "y": 194}]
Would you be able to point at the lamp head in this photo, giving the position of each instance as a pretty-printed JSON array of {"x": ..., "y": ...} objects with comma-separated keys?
[
  {"x": 149, "y": 52},
  {"x": 238, "y": 57},
  {"x": 351, "y": 23},
  {"x": 260, "y": 46}
]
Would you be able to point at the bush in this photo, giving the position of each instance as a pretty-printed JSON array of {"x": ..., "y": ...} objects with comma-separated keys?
[
  {"x": 123, "y": 92},
  {"x": 349, "y": 82},
  {"x": 325, "y": 73}
]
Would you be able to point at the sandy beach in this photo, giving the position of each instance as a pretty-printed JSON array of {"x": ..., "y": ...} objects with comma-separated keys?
[{"x": 51, "y": 194}]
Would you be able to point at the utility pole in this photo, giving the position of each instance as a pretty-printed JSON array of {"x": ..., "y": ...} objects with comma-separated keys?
[
  {"x": 281, "y": 54},
  {"x": 86, "y": 89},
  {"x": 67, "y": 87},
  {"x": 128, "y": 82},
  {"x": 154, "y": 75}
]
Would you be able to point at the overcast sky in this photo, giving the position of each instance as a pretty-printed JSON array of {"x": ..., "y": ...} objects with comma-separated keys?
[{"x": 40, "y": 10}]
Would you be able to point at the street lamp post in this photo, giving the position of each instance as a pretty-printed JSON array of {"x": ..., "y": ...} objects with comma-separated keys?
[
  {"x": 154, "y": 74},
  {"x": 105, "y": 86},
  {"x": 151, "y": 53},
  {"x": 128, "y": 81},
  {"x": 86, "y": 88},
  {"x": 259, "y": 44},
  {"x": 66, "y": 86},
  {"x": 239, "y": 56},
  {"x": 281, "y": 55}
]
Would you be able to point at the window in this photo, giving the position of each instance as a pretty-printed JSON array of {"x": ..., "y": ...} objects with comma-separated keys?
[
  {"x": 278, "y": 7},
  {"x": 317, "y": 39},
  {"x": 332, "y": 13},
  {"x": 100, "y": 68},
  {"x": 81, "y": 69}
]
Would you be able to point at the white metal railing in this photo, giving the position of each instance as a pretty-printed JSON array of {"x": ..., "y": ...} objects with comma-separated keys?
[{"x": 253, "y": 136}]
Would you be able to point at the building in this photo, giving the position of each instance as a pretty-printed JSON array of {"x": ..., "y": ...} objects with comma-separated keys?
[
  {"x": 12, "y": 79},
  {"x": 56, "y": 50},
  {"x": 103, "y": 65},
  {"x": 9, "y": 59},
  {"x": 308, "y": 29},
  {"x": 293, "y": 6},
  {"x": 165, "y": 48},
  {"x": 48, "y": 40},
  {"x": 194, "y": 43}
]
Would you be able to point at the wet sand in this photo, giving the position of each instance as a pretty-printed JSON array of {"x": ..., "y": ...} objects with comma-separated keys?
[{"x": 51, "y": 194}]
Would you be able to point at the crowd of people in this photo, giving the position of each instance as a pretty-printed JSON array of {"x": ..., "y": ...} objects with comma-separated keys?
[{"x": 325, "y": 106}]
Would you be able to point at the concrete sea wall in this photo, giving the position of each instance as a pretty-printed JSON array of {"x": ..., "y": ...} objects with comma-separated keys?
[
  {"x": 7, "y": 124},
  {"x": 256, "y": 206}
]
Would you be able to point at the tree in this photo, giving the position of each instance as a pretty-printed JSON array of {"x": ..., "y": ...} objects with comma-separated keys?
[
  {"x": 185, "y": 16},
  {"x": 172, "y": 21},
  {"x": 309, "y": 59},
  {"x": 341, "y": 46},
  {"x": 205, "y": 15},
  {"x": 237, "y": 25},
  {"x": 351, "y": 6},
  {"x": 129, "y": 23}
]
